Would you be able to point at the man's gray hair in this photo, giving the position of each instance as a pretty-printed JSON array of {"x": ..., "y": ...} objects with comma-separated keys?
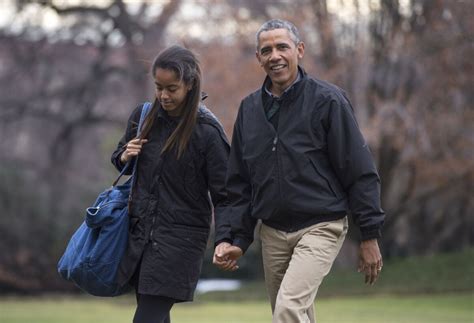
[{"x": 279, "y": 24}]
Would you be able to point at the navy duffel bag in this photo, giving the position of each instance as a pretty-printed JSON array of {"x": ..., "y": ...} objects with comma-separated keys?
[{"x": 95, "y": 250}]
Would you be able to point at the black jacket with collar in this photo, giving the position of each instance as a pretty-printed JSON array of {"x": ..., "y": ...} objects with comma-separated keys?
[
  {"x": 315, "y": 167},
  {"x": 172, "y": 204}
]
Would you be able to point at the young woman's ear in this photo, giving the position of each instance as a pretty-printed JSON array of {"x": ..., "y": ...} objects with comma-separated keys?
[{"x": 190, "y": 86}]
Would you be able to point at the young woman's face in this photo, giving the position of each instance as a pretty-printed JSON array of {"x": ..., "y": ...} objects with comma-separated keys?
[{"x": 170, "y": 91}]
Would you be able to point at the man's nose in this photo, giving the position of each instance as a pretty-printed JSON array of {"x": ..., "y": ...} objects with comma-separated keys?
[{"x": 274, "y": 55}]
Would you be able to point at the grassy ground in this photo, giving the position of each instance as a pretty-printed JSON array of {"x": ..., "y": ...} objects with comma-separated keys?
[
  {"x": 442, "y": 273},
  {"x": 380, "y": 309},
  {"x": 436, "y": 289},
  {"x": 430, "y": 274}
]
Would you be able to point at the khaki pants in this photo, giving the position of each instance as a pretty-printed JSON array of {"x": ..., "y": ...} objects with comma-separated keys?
[{"x": 295, "y": 264}]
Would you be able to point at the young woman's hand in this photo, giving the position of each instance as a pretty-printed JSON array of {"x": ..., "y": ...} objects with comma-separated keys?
[{"x": 133, "y": 148}]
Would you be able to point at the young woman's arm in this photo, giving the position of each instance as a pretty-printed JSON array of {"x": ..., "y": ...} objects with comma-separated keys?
[{"x": 130, "y": 133}]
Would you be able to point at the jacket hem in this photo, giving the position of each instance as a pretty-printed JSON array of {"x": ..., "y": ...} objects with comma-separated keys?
[{"x": 312, "y": 221}]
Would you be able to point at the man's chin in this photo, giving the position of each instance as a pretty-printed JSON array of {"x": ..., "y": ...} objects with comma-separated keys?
[{"x": 278, "y": 77}]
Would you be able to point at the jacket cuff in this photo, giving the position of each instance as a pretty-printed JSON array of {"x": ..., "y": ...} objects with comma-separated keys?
[
  {"x": 370, "y": 233},
  {"x": 116, "y": 159},
  {"x": 242, "y": 243}
]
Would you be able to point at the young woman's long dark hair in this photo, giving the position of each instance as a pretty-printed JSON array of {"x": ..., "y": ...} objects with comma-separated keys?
[{"x": 186, "y": 66}]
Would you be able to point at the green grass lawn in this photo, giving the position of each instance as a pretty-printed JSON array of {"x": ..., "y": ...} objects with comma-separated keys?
[
  {"x": 441, "y": 273},
  {"x": 436, "y": 274},
  {"x": 377, "y": 309},
  {"x": 419, "y": 289}
]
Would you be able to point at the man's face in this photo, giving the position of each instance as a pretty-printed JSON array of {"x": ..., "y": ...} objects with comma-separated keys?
[{"x": 279, "y": 55}]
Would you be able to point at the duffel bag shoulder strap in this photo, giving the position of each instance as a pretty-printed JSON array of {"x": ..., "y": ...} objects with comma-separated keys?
[{"x": 145, "y": 109}]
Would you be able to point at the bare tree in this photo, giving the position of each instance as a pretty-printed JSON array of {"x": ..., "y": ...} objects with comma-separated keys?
[{"x": 60, "y": 98}]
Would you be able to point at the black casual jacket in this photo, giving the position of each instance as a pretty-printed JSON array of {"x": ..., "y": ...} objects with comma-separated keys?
[
  {"x": 315, "y": 167},
  {"x": 171, "y": 207}
]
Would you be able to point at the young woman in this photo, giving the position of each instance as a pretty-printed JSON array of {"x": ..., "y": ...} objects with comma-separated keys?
[{"x": 182, "y": 153}]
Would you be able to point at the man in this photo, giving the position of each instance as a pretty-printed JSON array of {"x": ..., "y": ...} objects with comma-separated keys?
[{"x": 298, "y": 163}]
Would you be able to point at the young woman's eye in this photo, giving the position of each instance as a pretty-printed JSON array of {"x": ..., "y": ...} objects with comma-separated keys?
[{"x": 172, "y": 90}]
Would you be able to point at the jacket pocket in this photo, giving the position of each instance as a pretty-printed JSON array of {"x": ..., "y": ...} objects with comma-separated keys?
[
  {"x": 189, "y": 240},
  {"x": 260, "y": 175},
  {"x": 133, "y": 224},
  {"x": 193, "y": 182},
  {"x": 191, "y": 219},
  {"x": 325, "y": 178},
  {"x": 192, "y": 228}
]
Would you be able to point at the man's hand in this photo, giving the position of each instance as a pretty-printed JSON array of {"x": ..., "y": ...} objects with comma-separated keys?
[
  {"x": 370, "y": 260},
  {"x": 226, "y": 255}
]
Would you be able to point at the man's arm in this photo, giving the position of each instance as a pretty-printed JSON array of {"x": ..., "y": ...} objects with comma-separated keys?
[
  {"x": 239, "y": 226},
  {"x": 353, "y": 164}
]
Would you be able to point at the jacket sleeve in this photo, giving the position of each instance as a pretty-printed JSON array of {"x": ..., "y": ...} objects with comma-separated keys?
[
  {"x": 239, "y": 191},
  {"x": 217, "y": 154},
  {"x": 130, "y": 133},
  {"x": 353, "y": 164}
]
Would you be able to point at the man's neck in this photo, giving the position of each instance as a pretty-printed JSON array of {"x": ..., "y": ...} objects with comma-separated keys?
[{"x": 277, "y": 91}]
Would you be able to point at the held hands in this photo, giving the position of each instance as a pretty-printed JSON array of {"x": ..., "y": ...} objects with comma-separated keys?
[
  {"x": 133, "y": 148},
  {"x": 226, "y": 255},
  {"x": 370, "y": 260}
]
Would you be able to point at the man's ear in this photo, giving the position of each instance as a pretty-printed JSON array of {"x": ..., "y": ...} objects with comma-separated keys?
[
  {"x": 258, "y": 58},
  {"x": 300, "y": 49}
]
